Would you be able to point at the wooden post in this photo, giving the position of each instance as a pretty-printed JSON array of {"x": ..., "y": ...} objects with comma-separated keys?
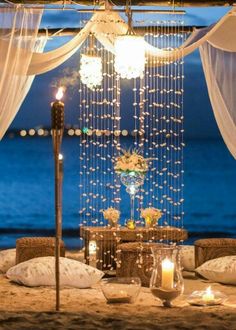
[
  {"x": 58, "y": 213},
  {"x": 57, "y": 118}
]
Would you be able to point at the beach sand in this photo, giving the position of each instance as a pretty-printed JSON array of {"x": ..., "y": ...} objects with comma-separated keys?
[{"x": 34, "y": 308}]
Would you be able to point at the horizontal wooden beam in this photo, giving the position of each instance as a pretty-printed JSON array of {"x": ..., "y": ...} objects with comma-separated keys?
[{"x": 168, "y": 3}]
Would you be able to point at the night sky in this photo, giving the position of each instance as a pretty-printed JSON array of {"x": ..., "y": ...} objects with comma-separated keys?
[{"x": 199, "y": 119}]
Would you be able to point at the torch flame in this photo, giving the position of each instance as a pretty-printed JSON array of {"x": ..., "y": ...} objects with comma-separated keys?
[{"x": 59, "y": 94}]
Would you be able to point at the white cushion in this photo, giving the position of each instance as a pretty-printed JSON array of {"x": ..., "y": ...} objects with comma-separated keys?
[
  {"x": 187, "y": 254},
  {"x": 7, "y": 259},
  {"x": 41, "y": 271},
  {"x": 222, "y": 270}
]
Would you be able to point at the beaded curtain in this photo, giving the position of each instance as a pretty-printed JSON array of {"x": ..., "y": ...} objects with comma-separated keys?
[
  {"x": 99, "y": 121},
  {"x": 159, "y": 121},
  {"x": 157, "y": 133}
]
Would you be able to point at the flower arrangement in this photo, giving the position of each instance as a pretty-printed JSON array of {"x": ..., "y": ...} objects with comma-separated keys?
[
  {"x": 131, "y": 161},
  {"x": 151, "y": 216},
  {"x": 112, "y": 215}
]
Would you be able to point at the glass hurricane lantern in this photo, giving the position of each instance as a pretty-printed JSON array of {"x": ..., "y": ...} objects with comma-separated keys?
[{"x": 166, "y": 281}]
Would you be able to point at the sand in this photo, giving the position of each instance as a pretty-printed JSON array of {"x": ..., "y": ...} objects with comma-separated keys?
[{"x": 33, "y": 308}]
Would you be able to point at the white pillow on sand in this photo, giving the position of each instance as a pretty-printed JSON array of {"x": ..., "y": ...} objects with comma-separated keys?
[
  {"x": 222, "y": 270},
  {"x": 41, "y": 271},
  {"x": 187, "y": 254},
  {"x": 7, "y": 260}
]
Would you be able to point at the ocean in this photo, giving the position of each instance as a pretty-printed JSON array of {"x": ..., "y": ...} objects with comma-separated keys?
[{"x": 27, "y": 190}]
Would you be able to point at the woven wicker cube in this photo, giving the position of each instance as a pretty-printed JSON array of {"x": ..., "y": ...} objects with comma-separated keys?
[
  {"x": 135, "y": 260},
  {"x": 34, "y": 247},
  {"x": 212, "y": 248}
]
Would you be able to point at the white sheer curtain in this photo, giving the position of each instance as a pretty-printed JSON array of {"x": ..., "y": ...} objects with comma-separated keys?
[
  {"x": 18, "y": 35},
  {"x": 20, "y": 57},
  {"x": 220, "y": 73}
]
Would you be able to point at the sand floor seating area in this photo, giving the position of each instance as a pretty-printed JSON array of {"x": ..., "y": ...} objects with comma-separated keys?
[{"x": 23, "y": 308}]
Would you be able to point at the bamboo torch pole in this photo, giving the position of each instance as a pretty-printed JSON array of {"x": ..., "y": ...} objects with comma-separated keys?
[{"x": 57, "y": 119}]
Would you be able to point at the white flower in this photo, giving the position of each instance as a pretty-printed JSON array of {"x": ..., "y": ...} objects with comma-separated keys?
[
  {"x": 131, "y": 161},
  {"x": 152, "y": 213},
  {"x": 111, "y": 214}
]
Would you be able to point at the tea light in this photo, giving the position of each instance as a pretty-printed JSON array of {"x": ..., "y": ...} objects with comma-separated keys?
[
  {"x": 148, "y": 222},
  {"x": 208, "y": 295},
  {"x": 131, "y": 224},
  {"x": 206, "y": 298},
  {"x": 92, "y": 247},
  {"x": 167, "y": 280},
  {"x": 122, "y": 294}
]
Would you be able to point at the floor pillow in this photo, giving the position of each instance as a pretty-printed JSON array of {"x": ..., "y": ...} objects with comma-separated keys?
[
  {"x": 222, "y": 270},
  {"x": 41, "y": 271},
  {"x": 7, "y": 260}
]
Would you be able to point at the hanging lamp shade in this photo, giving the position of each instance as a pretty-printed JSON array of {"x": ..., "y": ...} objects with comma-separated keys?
[
  {"x": 91, "y": 70},
  {"x": 129, "y": 56}
]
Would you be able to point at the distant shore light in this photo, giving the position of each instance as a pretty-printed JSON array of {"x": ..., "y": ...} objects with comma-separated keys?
[
  {"x": 32, "y": 132},
  {"x": 23, "y": 133},
  {"x": 40, "y": 132},
  {"x": 71, "y": 132}
]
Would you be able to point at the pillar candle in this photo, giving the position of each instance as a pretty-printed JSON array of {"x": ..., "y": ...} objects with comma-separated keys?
[{"x": 167, "y": 279}]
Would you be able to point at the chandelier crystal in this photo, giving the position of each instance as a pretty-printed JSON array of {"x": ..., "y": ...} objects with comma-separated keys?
[
  {"x": 91, "y": 70},
  {"x": 129, "y": 56}
]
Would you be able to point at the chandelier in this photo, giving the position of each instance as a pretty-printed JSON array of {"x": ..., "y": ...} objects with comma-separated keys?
[
  {"x": 129, "y": 53},
  {"x": 91, "y": 67},
  {"x": 129, "y": 56}
]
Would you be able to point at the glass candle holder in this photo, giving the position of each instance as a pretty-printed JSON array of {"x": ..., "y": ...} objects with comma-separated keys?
[
  {"x": 166, "y": 280},
  {"x": 206, "y": 298},
  {"x": 121, "y": 289},
  {"x": 132, "y": 181}
]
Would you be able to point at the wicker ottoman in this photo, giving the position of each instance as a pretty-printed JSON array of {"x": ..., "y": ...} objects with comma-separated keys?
[
  {"x": 211, "y": 248},
  {"x": 135, "y": 260},
  {"x": 33, "y": 247}
]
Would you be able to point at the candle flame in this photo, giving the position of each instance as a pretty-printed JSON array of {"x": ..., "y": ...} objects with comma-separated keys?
[
  {"x": 59, "y": 94},
  {"x": 208, "y": 290},
  {"x": 92, "y": 247},
  {"x": 208, "y": 295},
  {"x": 167, "y": 264}
]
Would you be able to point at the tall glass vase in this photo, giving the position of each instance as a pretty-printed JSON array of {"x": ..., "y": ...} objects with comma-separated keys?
[
  {"x": 132, "y": 181},
  {"x": 166, "y": 281}
]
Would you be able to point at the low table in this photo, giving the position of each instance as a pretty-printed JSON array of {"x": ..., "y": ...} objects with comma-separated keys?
[{"x": 107, "y": 239}]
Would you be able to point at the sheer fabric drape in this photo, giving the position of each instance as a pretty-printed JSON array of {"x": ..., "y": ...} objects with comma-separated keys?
[
  {"x": 19, "y": 57},
  {"x": 18, "y": 35},
  {"x": 220, "y": 73}
]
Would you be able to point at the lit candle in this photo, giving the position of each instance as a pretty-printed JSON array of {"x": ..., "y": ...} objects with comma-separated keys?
[
  {"x": 208, "y": 295},
  {"x": 131, "y": 224},
  {"x": 92, "y": 247},
  {"x": 148, "y": 222},
  {"x": 167, "y": 280}
]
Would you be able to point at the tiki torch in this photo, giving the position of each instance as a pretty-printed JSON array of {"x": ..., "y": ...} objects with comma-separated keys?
[{"x": 57, "y": 120}]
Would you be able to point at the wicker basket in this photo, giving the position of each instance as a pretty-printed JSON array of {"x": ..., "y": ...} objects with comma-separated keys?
[
  {"x": 34, "y": 247},
  {"x": 135, "y": 260},
  {"x": 211, "y": 248}
]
